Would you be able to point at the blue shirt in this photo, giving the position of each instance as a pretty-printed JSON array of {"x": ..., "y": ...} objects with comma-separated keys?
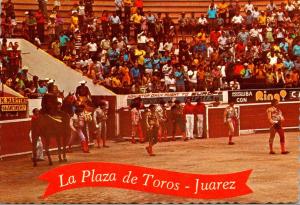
[
  {"x": 113, "y": 54},
  {"x": 156, "y": 64},
  {"x": 148, "y": 63},
  {"x": 179, "y": 77},
  {"x": 63, "y": 40},
  {"x": 212, "y": 14},
  {"x": 164, "y": 59},
  {"x": 284, "y": 46},
  {"x": 135, "y": 72},
  {"x": 42, "y": 90},
  {"x": 296, "y": 50},
  {"x": 288, "y": 64}
]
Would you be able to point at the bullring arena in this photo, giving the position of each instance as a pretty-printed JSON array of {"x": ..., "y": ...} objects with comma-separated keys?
[
  {"x": 166, "y": 51},
  {"x": 274, "y": 177}
]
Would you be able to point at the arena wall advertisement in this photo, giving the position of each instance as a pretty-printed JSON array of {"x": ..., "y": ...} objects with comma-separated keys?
[{"x": 264, "y": 95}]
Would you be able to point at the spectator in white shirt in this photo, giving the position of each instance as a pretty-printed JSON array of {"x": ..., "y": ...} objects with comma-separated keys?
[
  {"x": 92, "y": 46},
  {"x": 271, "y": 6},
  {"x": 202, "y": 22},
  {"x": 255, "y": 13},
  {"x": 237, "y": 21},
  {"x": 249, "y": 7},
  {"x": 115, "y": 24},
  {"x": 290, "y": 8}
]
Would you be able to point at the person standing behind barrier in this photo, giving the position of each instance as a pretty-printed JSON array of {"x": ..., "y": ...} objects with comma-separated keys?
[
  {"x": 100, "y": 117},
  {"x": 177, "y": 119},
  {"x": 136, "y": 128},
  {"x": 77, "y": 124},
  {"x": 163, "y": 118},
  {"x": 188, "y": 112},
  {"x": 276, "y": 118},
  {"x": 152, "y": 124},
  {"x": 35, "y": 138},
  {"x": 199, "y": 112},
  {"x": 230, "y": 119}
]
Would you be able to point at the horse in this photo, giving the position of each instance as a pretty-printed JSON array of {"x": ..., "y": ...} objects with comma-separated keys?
[{"x": 52, "y": 125}]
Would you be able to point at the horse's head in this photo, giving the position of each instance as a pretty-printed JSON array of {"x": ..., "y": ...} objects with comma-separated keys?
[{"x": 70, "y": 98}]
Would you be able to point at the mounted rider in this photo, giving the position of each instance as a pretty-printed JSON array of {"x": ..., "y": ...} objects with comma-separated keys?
[{"x": 50, "y": 100}]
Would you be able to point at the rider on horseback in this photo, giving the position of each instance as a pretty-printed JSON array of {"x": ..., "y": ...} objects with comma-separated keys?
[
  {"x": 83, "y": 93},
  {"x": 50, "y": 101}
]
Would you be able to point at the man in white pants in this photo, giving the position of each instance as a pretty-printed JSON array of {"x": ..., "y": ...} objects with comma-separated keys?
[
  {"x": 188, "y": 112},
  {"x": 199, "y": 112}
]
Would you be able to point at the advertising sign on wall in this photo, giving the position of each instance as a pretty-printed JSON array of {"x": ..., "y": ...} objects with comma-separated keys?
[
  {"x": 13, "y": 104},
  {"x": 264, "y": 95},
  {"x": 155, "y": 98}
]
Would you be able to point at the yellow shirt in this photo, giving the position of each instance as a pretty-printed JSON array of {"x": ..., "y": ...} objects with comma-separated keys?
[
  {"x": 136, "y": 18},
  {"x": 74, "y": 20},
  {"x": 222, "y": 8},
  {"x": 115, "y": 82},
  {"x": 262, "y": 20},
  {"x": 276, "y": 48},
  {"x": 140, "y": 55}
]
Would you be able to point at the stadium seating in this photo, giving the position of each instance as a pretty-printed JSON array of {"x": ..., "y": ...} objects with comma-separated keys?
[{"x": 173, "y": 7}]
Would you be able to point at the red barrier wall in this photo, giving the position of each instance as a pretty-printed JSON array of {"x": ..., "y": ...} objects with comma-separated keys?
[
  {"x": 216, "y": 125},
  {"x": 255, "y": 116},
  {"x": 15, "y": 137}
]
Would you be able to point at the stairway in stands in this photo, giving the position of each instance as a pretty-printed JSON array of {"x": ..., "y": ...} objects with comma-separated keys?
[{"x": 173, "y": 7}]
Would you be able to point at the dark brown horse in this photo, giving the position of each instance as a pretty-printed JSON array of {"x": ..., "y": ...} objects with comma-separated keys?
[
  {"x": 49, "y": 126},
  {"x": 53, "y": 122}
]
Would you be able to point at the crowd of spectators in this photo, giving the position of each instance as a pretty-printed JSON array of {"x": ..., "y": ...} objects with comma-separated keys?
[
  {"x": 232, "y": 46},
  {"x": 14, "y": 75}
]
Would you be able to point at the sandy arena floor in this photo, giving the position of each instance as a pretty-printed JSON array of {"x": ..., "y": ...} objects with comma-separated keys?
[{"x": 274, "y": 178}]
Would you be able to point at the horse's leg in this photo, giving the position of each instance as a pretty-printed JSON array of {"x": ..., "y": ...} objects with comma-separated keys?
[
  {"x": 47, "y": 141},
  {"x": 34, "y": 143},
  {"x": 58, "y": 141},
  {"x": 64, "y": 142}
]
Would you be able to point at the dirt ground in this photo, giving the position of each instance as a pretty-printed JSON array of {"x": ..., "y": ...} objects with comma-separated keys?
[{"x": 274, "y": 177}]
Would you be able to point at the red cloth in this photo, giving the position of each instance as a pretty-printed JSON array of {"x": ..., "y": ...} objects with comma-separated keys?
[
  {"x": 188, "y": 109},
  {"x": 199, "y": 109}
]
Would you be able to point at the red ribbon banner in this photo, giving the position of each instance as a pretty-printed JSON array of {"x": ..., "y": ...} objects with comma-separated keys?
[{"x": 103, "y": 174}]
